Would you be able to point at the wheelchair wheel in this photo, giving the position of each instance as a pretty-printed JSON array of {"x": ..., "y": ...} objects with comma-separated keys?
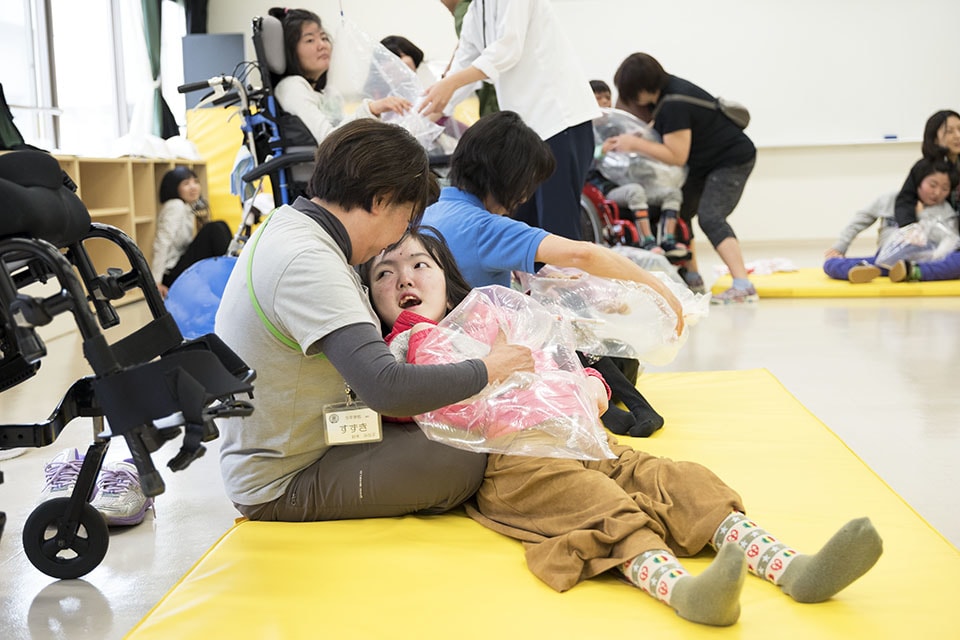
[
  {"x": 59, "y": 557},
  {"x": 590, "y": 225}
]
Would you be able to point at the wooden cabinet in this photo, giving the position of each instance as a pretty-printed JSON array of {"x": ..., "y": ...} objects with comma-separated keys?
[{"x": 123, "y": 192}]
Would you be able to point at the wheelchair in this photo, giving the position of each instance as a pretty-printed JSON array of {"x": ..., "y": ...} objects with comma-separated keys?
[
  {"x": 150, "y": 387},
  {"x": 601, "y": 222},
  {"x": 279, "y": 145}
]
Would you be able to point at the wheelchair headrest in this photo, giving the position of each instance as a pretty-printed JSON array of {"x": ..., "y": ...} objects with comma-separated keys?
[
  {"x": 34, "y": 201},
  {"x": 274, "y": 53}
]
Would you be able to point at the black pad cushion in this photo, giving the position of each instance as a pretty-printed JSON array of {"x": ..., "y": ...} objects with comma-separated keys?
[{"x": 34, "y": 201}]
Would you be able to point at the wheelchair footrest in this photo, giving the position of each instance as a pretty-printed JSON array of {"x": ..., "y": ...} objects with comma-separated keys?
[
  {"x": 15, "y": 370},
  {"x": 184, "y": 458}
]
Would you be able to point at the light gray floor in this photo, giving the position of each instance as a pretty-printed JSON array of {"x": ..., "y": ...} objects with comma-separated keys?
[{"x": 879, "y": 372}]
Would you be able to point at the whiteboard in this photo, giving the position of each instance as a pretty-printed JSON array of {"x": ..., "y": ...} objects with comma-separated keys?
[{"x": 816, "y": 72}]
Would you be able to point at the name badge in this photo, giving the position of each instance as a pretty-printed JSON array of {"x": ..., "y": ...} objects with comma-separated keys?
[{"x": 351, "y": 422}]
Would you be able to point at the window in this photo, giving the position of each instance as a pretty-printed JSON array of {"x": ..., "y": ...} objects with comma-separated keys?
[
  {"x": 25, "y": 83},
  {"x": 77, "y": 75}
]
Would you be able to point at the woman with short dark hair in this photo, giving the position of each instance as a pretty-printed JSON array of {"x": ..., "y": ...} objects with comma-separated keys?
[
  {"x": 718, "y": 154},
  {"x": 296, "y": 311},
  {"x": 401, "y": 47}
]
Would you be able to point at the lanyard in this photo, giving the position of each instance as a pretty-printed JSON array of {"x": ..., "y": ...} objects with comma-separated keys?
[{"x": 253, "y": 296}]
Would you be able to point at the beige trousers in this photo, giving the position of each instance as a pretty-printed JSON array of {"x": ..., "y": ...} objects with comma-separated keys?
[{"x": 578, "y": 519}]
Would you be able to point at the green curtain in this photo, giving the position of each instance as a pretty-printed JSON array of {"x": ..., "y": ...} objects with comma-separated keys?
[
  {"x": 487, "y": 93},
  {"x": 151, "y": 32}
]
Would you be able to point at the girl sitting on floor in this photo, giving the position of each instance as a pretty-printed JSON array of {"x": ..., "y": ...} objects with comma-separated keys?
[
  {"x": 635, "y": 513},
  {"x": 185, "y": 234},
  {"x": 936, "y": 180}
]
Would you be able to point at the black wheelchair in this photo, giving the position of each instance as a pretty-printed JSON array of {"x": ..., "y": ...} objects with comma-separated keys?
[{"x": 150, "y": 387}]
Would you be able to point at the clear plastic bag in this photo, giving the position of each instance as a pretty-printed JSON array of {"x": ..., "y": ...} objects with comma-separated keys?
[
  {"x": 650, "y": 261},
  {"x": 619, "y": 318},
  {"x": 626, "y": 168},
  {"x": 548, "y": 413},
  {"x": 364, "y": 68},
  {"x": 922, "y": 241}
]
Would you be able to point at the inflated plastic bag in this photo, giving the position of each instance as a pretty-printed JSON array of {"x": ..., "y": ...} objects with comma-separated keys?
[
  {"x": 619, "y": 318},
  {"x": 922, "y": 241},
  {"x": 649, "y": 261},
  {"x": 625, "y": 168},
  {"x": 548, "y": 413},
  {"x": 364, "y": 68}
]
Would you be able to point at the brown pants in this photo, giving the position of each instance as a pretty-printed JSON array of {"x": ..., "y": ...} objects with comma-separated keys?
[{"x": 578, "y": 518}]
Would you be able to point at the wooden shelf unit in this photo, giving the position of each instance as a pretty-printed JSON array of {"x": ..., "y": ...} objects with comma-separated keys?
[{"x": 124, "y": 193}]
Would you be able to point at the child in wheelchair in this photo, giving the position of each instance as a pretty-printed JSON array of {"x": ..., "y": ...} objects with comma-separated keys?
[{"x": 646, "y": 191}]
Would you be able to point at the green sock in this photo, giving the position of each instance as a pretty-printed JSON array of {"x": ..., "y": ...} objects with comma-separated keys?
[
  {"x": 713, "y": 597},
  {"x": 847, "y": 555}
]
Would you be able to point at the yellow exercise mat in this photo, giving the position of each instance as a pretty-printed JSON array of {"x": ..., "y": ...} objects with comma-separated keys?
[
  {"x": 814, "y": 283},
  {"x": 448, "y": 577}
]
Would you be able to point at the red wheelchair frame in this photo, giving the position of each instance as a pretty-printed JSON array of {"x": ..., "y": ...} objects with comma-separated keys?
[{"x": 601, "y": 221}]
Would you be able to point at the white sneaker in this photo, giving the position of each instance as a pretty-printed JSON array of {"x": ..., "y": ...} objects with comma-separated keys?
[
  {"x": 120, "y": 499},
  {"x": 61, "y": 475},
  {"x": 7, "y": 454}
]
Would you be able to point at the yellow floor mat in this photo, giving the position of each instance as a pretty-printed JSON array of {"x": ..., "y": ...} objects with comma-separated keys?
[
  {"x": 448, "y": 577},
  {"x": 814, "y": 283}
]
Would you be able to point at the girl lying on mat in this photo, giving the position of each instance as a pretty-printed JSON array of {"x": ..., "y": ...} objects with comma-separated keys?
[
  {"x": 635, "y": 513},
  {"x": 936, "y": 179}
]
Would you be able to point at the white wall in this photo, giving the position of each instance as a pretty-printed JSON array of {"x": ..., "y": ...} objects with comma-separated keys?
[{"x": 803, "y": 192}]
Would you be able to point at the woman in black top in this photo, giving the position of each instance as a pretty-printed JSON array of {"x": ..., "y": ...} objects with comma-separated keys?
[
  {"x": 941, "y": 141},
  {"x": 717, "y": 152}
]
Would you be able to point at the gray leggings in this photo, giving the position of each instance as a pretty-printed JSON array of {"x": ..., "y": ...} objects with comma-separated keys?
[
  {"x": 404, "y": 473},
  {"x": 713, "y": 197}
]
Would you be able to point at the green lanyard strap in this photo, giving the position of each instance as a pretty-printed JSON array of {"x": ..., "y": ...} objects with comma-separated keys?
[{"x": 253, "y": 296}]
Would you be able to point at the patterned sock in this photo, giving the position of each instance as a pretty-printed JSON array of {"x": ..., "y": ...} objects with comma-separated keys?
[
  {"x": 767, "y": 557},
  {"x": 656, "y": 572},
  {"x": 713, "y": 597},
  {"x": 847, "y": 555}
]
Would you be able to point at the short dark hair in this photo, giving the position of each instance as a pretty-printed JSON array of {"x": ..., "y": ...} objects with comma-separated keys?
[
  {"x": 599, "y": 86},
  {"x": 501, "y": 157},
  {"x": 293, "y": 21},
  {"x": 929, "y": 166},
  {"x": 170, "y": 183},
  {"x": 400, "y": 46},
  {"x": 436, "y": 245},
  {"x": 931, "y": 149},
  {"x": 365, "y": 160},
  {"x": 639, "y": 72}
]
